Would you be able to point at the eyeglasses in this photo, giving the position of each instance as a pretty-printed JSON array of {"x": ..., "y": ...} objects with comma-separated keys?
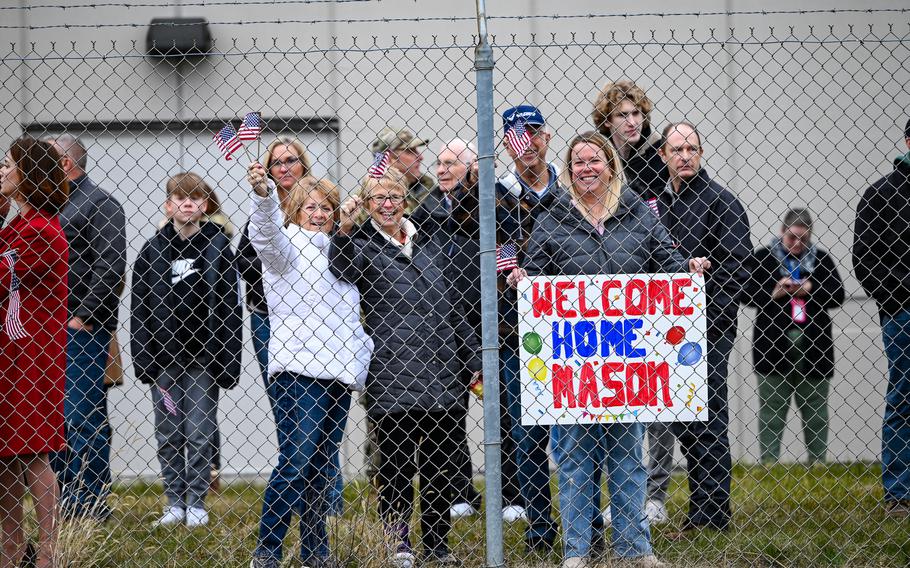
[
  {"x": 380, "y": 199},
  {"x": 287, "y": 162}
]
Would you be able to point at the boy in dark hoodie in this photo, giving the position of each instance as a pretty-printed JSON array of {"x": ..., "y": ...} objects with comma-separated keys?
[{"x": 186, "y": 341}]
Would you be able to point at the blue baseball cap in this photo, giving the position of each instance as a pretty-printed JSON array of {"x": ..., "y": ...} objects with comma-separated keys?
[{"x": 528, "y": 114}]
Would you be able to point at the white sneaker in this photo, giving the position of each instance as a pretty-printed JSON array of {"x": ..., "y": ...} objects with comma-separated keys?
[
  {"x": 513, "y": 513},
  {"x": 574, "y": 562},
  {"x": 608, "y": 517},
  {"x": 404, "y": 560},
  {"x": 656, "y": 512},
  {"x": 173, "y": 515},
  {"x": 196, "y": 517},
  {"x": 649, "y": 561},
  {"x": 461, "y": 510}
]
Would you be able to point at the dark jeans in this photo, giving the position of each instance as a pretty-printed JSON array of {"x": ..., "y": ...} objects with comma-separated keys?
[
  {"x": 310, "y": 416},
  {"x": 533, "y": 461},
  {"x": 463, "y": 485},
  {"x": 83, "y": 468},
  {"x": 417, "y": 442},
  {"x": 896, "y": 423},
  {"x": 706, "y": 446}
]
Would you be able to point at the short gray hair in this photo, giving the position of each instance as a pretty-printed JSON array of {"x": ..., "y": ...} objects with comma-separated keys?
[
  {"x": 466, "y": 151},
  {"x": 72, "y": 147}
]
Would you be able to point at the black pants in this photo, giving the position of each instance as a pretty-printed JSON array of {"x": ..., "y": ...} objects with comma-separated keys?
[
  {"x": 706, "y": 446},
  {"x": 417, "y": 442},
  {"x": 462, "y": 483}
]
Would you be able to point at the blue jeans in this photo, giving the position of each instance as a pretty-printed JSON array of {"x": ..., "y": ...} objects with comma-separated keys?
[
  {"x": 83, "y": 468},
  {"x": 533, "y": 461},
  {"x": 261, "y": 332},
  {"x": 310, "y": 415},
  {"x": 582, "y": 449},
  {"x": 896, "y": 423}
]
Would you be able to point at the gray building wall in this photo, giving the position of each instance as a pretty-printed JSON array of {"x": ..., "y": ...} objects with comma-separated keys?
[{"x": 790, "y": 116}]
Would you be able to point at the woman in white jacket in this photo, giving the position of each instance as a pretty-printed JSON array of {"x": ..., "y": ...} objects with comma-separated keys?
[{"x": 318, "y": 354}]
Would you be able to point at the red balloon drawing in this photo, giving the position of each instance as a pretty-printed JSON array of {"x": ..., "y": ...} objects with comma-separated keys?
[{"x": 675, "y": 335}]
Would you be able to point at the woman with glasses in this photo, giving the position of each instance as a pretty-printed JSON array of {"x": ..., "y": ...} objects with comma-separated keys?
[
  {"x": 793, "y": 285},
  {"x": 603, "y": 228},
  {"x": 318, "y": 354},
  {"x": 414, "y": 316}
]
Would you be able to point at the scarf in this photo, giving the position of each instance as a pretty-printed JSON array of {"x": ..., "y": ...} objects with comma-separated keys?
[{"x": 788, "y": 262}]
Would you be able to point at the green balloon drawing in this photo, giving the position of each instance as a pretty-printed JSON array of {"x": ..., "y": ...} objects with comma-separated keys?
[{"x": 532, "y": 342}]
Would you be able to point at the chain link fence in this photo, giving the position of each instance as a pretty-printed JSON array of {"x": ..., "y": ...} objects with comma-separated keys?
[{"x": 272, "y": 344}]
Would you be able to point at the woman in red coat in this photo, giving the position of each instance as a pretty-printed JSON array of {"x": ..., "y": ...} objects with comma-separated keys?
[{"x": 33, "y": 293}]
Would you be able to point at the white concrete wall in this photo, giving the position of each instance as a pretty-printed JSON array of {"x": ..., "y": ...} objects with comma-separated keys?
[{"x": 787, "y": 117}]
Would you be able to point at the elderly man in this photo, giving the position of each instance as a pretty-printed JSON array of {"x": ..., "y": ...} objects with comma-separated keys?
[
  {"x": 881, "y": 257},
  {"x": 95, "y": 228},
  {"x": 706, "y": 220},
  {"x": 443, "y": 212},
  {"x": 406, "y": 155}
]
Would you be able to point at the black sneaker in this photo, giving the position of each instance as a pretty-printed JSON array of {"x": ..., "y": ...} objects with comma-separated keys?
[
  {"x": 30, "y": 557},
  {"x": 598, "y": 545},
  {"x": 322, "y": 562},
  {"x": 444, "y": 560},
  {"x": 264, "y": 562},
  {"x": 899, "y": 509}
]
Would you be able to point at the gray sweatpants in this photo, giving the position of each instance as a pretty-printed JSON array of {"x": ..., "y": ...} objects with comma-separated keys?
[
  {"x": 660, "y": 457},
  {"x": 186, "y": 418}
]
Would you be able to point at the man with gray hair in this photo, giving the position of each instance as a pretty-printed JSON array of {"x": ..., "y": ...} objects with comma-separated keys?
[{"x": 95, "y": 228}]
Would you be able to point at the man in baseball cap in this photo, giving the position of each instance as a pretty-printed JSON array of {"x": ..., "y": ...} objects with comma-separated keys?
[{"x": 405, "y": 152}]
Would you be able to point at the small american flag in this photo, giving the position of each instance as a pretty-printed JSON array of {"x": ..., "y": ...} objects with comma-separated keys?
[
  {"x": 13, "y": 325},
  {"x": 380, "y": 165},
  {"x": 251, "y": 127},
  {"x": 652, "y": 203},
  {"x": 506, "y": 257},
  {"x": 168, "y": 401},
  {"x": 227, "y": 141},
  {"x": 518, "y": 138}
]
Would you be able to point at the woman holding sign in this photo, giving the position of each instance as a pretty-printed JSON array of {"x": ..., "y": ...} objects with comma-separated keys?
[{"x": 604, "y": 228}]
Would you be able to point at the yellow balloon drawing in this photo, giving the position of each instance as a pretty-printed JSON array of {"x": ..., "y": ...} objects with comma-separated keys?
[{"x": 538, "y": 369}]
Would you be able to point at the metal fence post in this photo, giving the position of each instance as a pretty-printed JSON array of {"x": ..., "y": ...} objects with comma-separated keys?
[{"x": 483, "y": 64}]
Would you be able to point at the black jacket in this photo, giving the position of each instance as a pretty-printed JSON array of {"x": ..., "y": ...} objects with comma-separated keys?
[
  {"x": 415, "y": 318},
  {"x": 153, "y": 310},
  {"x": 95, "y": 228},
  {"x": 645, "y": 171},
  {"x": 775, "y": 317},
  {"x": 881, "y": 240},
  {"x": 250, "y": 268},
  {"x": 705, "y": 219},
  {"x": 633, "y": 241}
]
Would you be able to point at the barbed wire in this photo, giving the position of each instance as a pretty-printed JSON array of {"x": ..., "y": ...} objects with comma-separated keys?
[
  {"x": 419, "y": 19},
  {"x": 201, "y": 3}
]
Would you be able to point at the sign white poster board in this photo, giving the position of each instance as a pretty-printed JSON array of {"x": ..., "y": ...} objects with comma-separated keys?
[{"x": 613, "y": 348}]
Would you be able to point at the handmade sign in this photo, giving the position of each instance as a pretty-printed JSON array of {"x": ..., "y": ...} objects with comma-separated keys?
[{"x": 613, "y": 348}]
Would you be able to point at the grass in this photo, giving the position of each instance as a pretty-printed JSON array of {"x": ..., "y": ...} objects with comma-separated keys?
[{"x": 794, "y": 515}]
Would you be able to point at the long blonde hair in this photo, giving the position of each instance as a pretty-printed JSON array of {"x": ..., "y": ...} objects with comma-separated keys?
[
  {"x": 294, "y": 143},
  {"x": 302, "y": 190},
  {"x": 600, "y": 142}
]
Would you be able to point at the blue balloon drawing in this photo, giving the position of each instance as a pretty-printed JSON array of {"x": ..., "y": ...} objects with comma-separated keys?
[{"x": 689, "y": 354}]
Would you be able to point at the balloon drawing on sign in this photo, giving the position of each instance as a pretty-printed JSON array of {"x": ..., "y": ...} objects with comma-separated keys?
[
  {"x": 689, "y": 354},
  {"x": 675, "y": 335},
  {"x": 532, "y": 342},
  {"x": 538, "y": 369}
]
